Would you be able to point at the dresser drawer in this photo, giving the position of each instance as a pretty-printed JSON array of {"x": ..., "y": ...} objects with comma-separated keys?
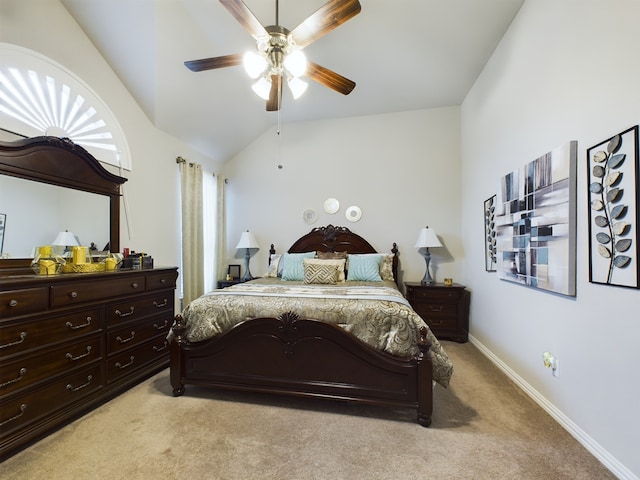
[
  {"x": 161, "y": 281},
  {"x": 136, "y": 308},
  {"x": 73, "y": 293},
  {"x": 436, "y": 310},
  {"x": 119, "y": 339},
  {"x": 20, "y": 337},
  {"x": 19, "y": 411},
  {"x": 131, "y": 360},
  {"x": 22, "y": 302},
  {"x": 28, "y": 370},
  {"x": 435, "y": 294}
]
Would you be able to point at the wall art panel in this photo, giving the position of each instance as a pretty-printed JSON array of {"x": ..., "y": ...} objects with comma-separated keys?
[
  {"x": 536, "y": 223},
  {"x": 613, "y": 210}
]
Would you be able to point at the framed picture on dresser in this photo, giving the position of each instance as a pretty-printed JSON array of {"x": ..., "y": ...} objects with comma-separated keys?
[{"x": 234, "y": 272}]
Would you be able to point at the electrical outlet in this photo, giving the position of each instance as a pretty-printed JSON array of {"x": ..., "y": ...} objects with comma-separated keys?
[{"x": 551, "y": 361}]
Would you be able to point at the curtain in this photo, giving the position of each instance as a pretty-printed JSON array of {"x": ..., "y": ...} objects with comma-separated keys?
[
  {"x": 192, "y": 231},
  {"x": 214, "y": 230}
]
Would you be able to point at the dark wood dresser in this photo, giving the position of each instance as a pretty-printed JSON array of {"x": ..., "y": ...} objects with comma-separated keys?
[
  {"x": 444, "y": 308},
  {"x": 70, "y": 342}
]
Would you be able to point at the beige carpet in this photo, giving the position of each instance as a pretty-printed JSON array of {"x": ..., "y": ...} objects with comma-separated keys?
[{"x": 484, "y": 427}]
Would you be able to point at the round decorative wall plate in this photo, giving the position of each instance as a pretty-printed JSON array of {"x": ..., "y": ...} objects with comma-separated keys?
[
  {"x": 353, "y": 213},
  {"x": 309, "y": 216},
  {"x": 331, "y": 205}
]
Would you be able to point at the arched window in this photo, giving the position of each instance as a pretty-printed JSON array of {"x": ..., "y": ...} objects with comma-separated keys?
[{"x": 38, "y": 96}]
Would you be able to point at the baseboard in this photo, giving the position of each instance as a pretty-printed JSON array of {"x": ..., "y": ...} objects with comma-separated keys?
[{"x": 608, "y": 460}]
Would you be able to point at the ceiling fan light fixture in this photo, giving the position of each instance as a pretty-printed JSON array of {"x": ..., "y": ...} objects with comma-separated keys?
[
  {"x": 297, "y": 86},
  {"x": 296, "y": 63},
  {"x": 254, "y": 64},
  {"x": 262, "y": 88}
]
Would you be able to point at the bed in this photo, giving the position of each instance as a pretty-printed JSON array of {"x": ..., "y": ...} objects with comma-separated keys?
[{"x": 315, "y": 336}]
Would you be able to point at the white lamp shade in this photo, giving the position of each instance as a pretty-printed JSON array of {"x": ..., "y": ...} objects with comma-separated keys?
[
  {"x": 296, "y": 63},
  {"x": 254, "y": 64},
  {"x": 247, "y": 240},
  {"x": 65, "y": 239},
  {"x": 262, "y": 88},
  {"x": 297, "y": 86},
  {"x": 427, "y": 238}
]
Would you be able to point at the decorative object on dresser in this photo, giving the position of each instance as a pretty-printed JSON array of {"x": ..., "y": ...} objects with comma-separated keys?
[
  {"x": 427, "y": 238},
  {"x": 444, "y": 308},
  {"x": 248, "y": 242},
  {"x": 70, "y": 342}
]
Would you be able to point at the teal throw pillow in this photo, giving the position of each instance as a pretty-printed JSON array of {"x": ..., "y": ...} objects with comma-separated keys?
[
  {"x": 364, "y": 267},
  {"x": 292, "y": 266}
]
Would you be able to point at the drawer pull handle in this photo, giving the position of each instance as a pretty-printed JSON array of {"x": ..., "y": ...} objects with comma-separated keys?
[
  {"x": 436, "y": 308},
  {"x": 125, "y": 365},
  {"x": 163, "y": 347},
  {"x": 73, "y": 359},
  {"x": 71, "y": 388},
  {"x": 23, "y": 407},
  {"x": 160, "y": 305},
  {"x": 17, "y": 379},
  {"x": 23, "y": 335},
  {"x": 124, "y": 314},
  {"x": 161, "y": 327},
  {"x": 163, "y": 281},
  {"x": 76, "y": 327},
  {"x": 134, "y": 285},
  {"x": 73, "y": 294},
  {"x": 125, "y": 340},
  {"x": 13, "y": 303}
]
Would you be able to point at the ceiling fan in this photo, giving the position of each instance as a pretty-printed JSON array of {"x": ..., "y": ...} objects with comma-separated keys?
[{"x": 279, "y": 51}]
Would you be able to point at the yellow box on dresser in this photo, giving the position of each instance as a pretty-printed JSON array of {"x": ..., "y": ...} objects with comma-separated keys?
[{"x": 73, "y": 341}]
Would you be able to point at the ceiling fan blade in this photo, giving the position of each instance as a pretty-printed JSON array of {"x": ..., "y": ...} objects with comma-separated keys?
[
  {"x": 275, "y": 94},
  {"x": 329, "y": 78},
  {"x": 214, "y": 62},
  {"x": 331, "y": 15},
  {"x": 245, "y": 17}
]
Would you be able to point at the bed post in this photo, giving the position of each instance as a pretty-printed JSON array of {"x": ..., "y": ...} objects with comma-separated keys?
[
  {"x": 176, "y": 356},
  {"x": 425, "y": 380}
]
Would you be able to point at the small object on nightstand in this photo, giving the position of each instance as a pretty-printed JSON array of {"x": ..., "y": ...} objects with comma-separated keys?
[
  {"x": 448, "y": 282},
  {"x": 445, "y": 309}
]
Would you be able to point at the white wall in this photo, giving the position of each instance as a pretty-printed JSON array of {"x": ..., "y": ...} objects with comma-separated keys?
[
  {"x": 401, "y": 169},
  {"x": 565, "y": 70},
  {"x": 151, "y": 208}
]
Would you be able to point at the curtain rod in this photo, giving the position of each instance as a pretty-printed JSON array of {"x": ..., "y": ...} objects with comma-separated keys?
[{"x": 182, "y": 160}]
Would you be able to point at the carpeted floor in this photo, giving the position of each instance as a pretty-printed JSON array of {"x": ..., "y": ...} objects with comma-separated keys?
[{"x": 484, "y": 427}]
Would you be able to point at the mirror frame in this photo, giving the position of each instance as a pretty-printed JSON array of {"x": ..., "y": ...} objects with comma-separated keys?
[{"x": 59, "y": 161}]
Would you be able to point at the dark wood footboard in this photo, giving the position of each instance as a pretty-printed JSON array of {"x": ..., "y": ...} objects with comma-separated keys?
[{"x": 302, "y": 357}]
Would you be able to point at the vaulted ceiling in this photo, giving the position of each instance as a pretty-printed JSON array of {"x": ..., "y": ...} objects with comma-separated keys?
[{"x": 402, "y": 54}]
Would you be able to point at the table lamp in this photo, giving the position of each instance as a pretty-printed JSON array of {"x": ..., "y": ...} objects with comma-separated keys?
[
  {"x": 247, "y": 241},
  {"x": 427, "y": 238}
]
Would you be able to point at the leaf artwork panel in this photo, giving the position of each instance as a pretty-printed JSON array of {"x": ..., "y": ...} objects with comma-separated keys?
[
  {"x": 613, "y": 210},
  {"x": 490, "y": 234},
  {"x": 535, "y": 223}
]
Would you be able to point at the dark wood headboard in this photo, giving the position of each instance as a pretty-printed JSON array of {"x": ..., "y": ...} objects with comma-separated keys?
[{"x": 337, "y": 239}]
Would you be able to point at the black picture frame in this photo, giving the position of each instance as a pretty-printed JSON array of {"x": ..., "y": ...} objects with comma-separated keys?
[
  {"x": 234, "y": 271},
  {"x": 3, "y": 222},
  {"x": 613, "y": 204},
  {"x": 490, "y": 234}
]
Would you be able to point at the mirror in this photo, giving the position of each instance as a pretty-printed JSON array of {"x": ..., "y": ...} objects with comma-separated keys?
[
  {"x": 35, "y": 212},
  {"x": 32, "y": 172}
]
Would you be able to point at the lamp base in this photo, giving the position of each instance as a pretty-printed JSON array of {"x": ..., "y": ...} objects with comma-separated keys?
[
  {"x": 247, "y": 273},
  {"x": 427, "y": 280}
]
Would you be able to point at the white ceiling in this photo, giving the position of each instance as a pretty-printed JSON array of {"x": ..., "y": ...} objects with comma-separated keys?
[{"x": 402, "y": 54}]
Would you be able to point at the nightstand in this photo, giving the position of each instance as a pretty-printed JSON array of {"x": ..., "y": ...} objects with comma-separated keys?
[
  {"x": 444, "y": 308},
  {"x": 228, "y": 283}
]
